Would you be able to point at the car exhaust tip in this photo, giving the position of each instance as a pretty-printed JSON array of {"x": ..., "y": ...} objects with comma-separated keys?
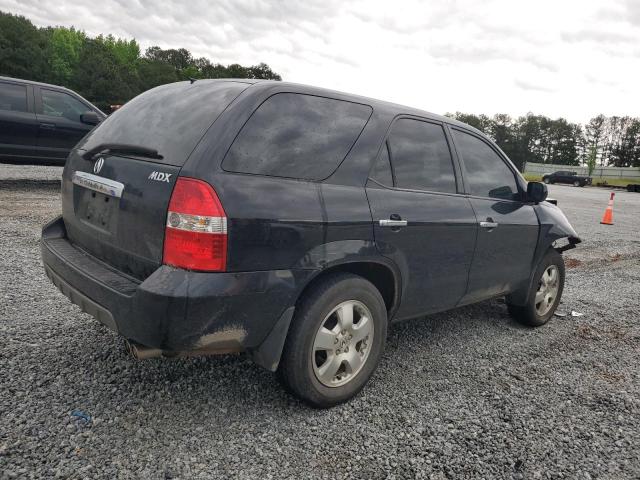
[{"x": 140, "y": 352}]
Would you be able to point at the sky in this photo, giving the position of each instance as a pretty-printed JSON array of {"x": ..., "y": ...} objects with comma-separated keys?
[{"x": 569, "y": 58}]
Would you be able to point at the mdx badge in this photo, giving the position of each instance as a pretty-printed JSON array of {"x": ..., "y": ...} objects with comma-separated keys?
[{"x": 160, "y": 176}]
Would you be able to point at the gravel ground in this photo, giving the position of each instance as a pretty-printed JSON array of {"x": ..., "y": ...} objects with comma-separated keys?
[{"x": 464, "y": 394}]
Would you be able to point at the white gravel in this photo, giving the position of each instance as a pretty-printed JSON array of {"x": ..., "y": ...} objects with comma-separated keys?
[
  {"x": 465, "y": 394},
  {"x": 28, "y": 172}
]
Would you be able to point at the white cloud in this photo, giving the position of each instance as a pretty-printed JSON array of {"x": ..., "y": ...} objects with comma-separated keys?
[{"x": 567, "y": 58}]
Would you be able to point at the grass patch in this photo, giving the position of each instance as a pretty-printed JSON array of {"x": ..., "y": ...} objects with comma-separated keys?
[
  {"x": 532, "y": 177},
  {"x": 615, "y": 182}
]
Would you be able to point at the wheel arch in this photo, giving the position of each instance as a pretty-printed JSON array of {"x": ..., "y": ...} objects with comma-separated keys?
[
  {"x": 554, "y": 226},
  {"x": 382, "y": 274}
]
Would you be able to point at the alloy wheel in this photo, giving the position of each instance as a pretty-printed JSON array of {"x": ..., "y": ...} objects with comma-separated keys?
[
  {"x": 342, "y": 343},
  {"x": 547, "y": 290}
]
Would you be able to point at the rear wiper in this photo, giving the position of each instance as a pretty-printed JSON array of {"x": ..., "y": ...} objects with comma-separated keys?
[{"x": 106, "y": 148}]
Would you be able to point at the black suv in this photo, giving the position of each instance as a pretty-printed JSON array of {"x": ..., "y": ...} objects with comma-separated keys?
[
  {"x": 40, "y": 123},
  {"x": 294, "y": 223},
  {"x": 563, "y": 176}
]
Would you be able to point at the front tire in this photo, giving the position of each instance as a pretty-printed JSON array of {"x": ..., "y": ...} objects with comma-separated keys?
[
  {"x": 577, "y": 184},
  {"x": 335, "y": 341},
  {"x": 545, "y": 292},
  {"x": 546, "y": 180}
]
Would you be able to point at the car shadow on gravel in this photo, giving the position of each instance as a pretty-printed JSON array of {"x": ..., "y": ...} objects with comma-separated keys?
[{"x": 230, "y": 384}]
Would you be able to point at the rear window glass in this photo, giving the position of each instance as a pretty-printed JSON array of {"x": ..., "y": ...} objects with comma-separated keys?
[
  {"x": 420, "y": 156},
  {"x": 297, "y": 136},
  {"x": 170, "y": 119},
  {"x": 13, "y": 97}
]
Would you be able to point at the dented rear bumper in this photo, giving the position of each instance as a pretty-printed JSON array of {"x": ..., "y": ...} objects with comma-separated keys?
[{"x": 173, "y": 310}]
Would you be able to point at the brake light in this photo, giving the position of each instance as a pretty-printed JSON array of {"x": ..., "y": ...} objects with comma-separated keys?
[{"x": 195, "y": 237}]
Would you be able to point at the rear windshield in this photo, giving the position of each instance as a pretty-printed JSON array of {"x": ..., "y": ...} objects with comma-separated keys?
[
  {"x": 170, "y": 119},
  {"x": 297, "y": 136}
]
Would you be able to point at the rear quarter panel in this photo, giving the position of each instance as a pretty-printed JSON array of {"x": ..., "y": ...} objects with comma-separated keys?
[{"x": 281, "y": 223}]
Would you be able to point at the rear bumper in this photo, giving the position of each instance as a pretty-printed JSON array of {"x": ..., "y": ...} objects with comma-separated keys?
[{"x": 173, "y": 310}]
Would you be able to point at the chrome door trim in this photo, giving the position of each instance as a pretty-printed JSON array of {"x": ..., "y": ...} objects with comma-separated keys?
[
  {"x": 393, "y": 223},
  {"x": 488, "y": 224}
]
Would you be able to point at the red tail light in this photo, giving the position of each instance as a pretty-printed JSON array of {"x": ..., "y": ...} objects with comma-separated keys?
[{"x": 195, "y": 237}]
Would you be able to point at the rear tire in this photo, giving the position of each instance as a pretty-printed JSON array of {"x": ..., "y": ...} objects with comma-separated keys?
[
  {"x": 545, "y": 292},
  {"x": 325, "y": 361},
  {"x": 546, "y": 180}
]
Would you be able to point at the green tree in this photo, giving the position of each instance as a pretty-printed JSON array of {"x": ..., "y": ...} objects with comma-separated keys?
[
  {"x": 595, "y": 134},
  {"x": 127, "y": 52},
  {"x": 264, "y": 72},
  {"x": 481, "y": 122},
  {"x": 105, "y": 69},
  {"x": 528, "y": 138},
  {"x": 591, "y": 159},
  {"x": 152, "y": 73},
  {"x": 501, "y": 130},
  {"x": 102, "y": 78},
  {"x": 626, "y": 150},
  {"x": 63, "y": 53},
  {"x": 22, "y": 48}
]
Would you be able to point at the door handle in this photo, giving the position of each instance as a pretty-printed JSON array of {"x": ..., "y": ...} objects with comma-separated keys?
[
  {"x": 48, "y": 126},
  {"x": 490, "y": 225},
  {"x": 393, "y": 223}
]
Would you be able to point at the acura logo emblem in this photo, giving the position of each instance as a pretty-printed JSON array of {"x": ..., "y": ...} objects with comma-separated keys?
[{"x": 98, "y": 165}]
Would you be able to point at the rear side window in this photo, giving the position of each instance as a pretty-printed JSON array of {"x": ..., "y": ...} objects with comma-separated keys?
[
  {"x": 297, "y": 136},
  {"x": 13, "y": 97},
  {"x": 420, "y": 156},
  {"x": 488, "y": 175},
  {"x": 171, "y": 118},
  {"x": 381, "y": 171},
  {"x": 60, "y": 104}
]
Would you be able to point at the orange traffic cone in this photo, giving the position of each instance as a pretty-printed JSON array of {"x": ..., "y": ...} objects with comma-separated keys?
[{"x": 607, "y": 218}]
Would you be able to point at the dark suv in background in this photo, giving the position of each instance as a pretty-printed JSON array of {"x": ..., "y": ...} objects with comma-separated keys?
[
  {"x": 294, "y": 223},
  {"x": 564, "y": 176},
  {"x": 40, "y": 123}
]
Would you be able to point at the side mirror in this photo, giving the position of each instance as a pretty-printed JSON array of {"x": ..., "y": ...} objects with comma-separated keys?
[
  {"x": 536, "y": 192},
  {"x": 90, "y": 118}
]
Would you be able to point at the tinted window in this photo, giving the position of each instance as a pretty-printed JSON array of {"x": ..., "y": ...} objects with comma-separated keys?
[
  {"x": 171, "y": 118},
  {"x": 420, "y": 156},
  {"x": 60, "y": 104},
  {"x": 381, "y": 171},
  {"x": 488, "y": 175},
  {"x": 297, "y": 136},
  {"x": 13, "y": 97}
]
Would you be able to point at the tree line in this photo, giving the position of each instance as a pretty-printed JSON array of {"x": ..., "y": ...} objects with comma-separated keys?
[
  {"x": 103, "y": 69},
  {"x": 608, "y": 141}
]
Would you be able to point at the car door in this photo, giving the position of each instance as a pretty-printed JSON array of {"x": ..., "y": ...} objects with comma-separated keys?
[
  {"x": 568, "y": 177},
  {"x": 58, "y": 115},
  {"x": 421, "y": 221},
  {"x": 18, "y": 126},
  {"x": 508, "y": 226},
  {"x": 561, "y": 177}
]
